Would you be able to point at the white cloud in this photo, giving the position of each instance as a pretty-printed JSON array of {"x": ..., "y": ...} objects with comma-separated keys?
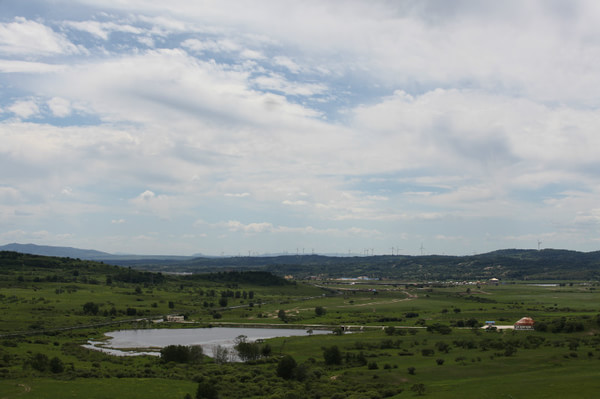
[
  {"x": 266, "y": 227},
  {"x": 262, "y": 227},
  {"x": 279, "y": 83},
  {"x": 163, "y": 206},
  {"x": 287, "y": 63},
  {"x": 25, "y": 37},
  {"x": 67, "y": 191},
  {"x": 60, "y": 107},
  {"x": 12, "y": 66},
  {"x": 9, "y": 195},
  {"x": 237, "y": 195},
  {"x": 218, "y": 46},
  {"x": 102, "y": 29},
  {"x": 294, "y": 203},
  {"x": 457, "y": 122},
  {"x": 24, "y": 109}
]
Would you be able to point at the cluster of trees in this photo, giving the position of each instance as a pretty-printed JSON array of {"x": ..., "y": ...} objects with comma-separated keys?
[
  {"x": 93, "y": 309},
  {"x": 250, "y": 351},
  {"x": 560, "y": 325},
  {"x": 182, "y": 354},
  {"x": 260, "y": 278},
  {"x": 42, "y": 363}
]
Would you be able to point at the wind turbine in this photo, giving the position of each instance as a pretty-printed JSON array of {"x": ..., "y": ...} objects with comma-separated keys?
[
  {"x": 422, "y": 248},
  {"x": 539, "y": 243}
]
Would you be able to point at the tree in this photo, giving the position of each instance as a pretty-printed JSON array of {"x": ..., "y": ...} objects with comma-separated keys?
[
  {"x": 56, "y": 365},
  {"x": 281, "y": 315},
  {"x": 246, "y": 350},
  {"x": 266, "y": 350},
  {"x": 90, "y": 308},
  {"x": 220, "y": 354},
  {"x": 196, "y": 353},
  {"x": 390, "y": 330},
  {"x": 223, "y": 302},
  {"x": 418, "y": 388},
  {"x": 411, "y": 370},
  {"x": 320, "y": 311},
  {"x": 175, "y": 353},
  {"x": 39, "y": 362},
  {"x": 286, "y": 367},
  {"x": 442, "y": 346},
  {"x": 332, "y": 355},
  {"x": 206, "y": 390}
]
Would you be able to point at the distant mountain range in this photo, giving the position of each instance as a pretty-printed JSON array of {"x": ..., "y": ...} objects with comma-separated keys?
[
  {"x": 88, "y": 254},
  {"x": 506, "y": 264}
]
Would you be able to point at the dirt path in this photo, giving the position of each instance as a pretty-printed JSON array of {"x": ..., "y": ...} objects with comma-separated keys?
[
  {"x": 409, "y": 297},
  {"x": 25, "y": 387}
]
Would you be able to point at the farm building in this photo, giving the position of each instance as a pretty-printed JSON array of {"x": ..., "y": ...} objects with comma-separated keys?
[{"x": 525, "y": 323}]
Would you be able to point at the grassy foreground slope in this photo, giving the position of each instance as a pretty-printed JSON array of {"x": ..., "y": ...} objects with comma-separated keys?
[{"x": 416, "y": 339}]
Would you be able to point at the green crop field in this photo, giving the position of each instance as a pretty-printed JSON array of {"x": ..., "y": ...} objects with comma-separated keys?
[{"x": 391, "y": 339}]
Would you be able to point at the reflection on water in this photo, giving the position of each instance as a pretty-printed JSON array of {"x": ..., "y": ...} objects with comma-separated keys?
[{"x": 149, "y": 342}]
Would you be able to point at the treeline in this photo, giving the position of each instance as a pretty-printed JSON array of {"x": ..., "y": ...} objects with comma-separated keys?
[
  {"x": 69, "y": 270},
  {"x": 505, "y": 264},
  {"x": 260, "y": 278}
]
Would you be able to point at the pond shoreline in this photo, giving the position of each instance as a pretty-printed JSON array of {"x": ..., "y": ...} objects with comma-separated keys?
[{"x": 146, "y": 341}]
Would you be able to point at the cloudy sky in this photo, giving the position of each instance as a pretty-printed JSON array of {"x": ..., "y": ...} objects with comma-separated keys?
[{"x": 233, "y": 127}]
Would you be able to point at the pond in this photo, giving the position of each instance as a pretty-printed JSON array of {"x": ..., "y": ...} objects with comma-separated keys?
[{"x": 150, "y": 341}]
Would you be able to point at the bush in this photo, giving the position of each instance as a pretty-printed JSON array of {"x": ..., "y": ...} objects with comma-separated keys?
[
  {"x": 39, "y": 362},
  {"x": 418, "y": 388},
  {"x": 332, "y": 355},
  {"x": 427, "y": 352},
  {"x": 286, "y": 367},
  {"x": 90, "y": 308},
  {"x": 181, "y": 354},
  {"x": 56, "y": 365},
  {"x": 390, "y": 330},
  {"x": 207, "y": 390}
]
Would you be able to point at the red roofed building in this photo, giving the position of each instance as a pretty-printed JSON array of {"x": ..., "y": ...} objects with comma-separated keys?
[{"x": 525, "y": 323}]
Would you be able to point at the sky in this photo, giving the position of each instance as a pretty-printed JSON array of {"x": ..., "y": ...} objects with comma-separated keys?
[{"x": 246, "y": 128}]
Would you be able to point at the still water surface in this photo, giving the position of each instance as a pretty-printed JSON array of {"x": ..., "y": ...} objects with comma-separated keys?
[{"x": 149, "y": 341}]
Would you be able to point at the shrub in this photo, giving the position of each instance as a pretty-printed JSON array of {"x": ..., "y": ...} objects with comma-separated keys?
[
  {"x": 90, "y": 308},
  {"x": 56, "y": 365},
  {"x": 332, "y": 355},
  {"x": 286, "y": 367}
]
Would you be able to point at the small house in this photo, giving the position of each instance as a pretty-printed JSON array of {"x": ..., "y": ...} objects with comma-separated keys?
[{"x": 525, "y": 323}]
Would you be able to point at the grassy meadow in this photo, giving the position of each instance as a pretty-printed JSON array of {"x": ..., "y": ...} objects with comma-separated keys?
[{"x": 405, "y": 339}]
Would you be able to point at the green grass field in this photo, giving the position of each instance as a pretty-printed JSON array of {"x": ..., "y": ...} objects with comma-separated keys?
[{"x": 562, "y": 361}]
